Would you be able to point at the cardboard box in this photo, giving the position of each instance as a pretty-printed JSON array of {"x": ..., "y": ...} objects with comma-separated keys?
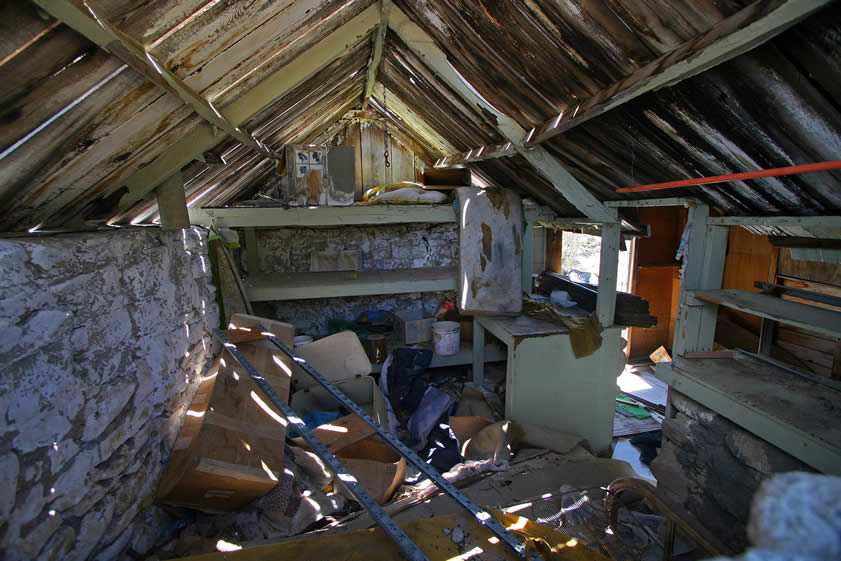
[
  {"x": 210, "y": 469},
  {"x": 342, "y": 360},
  {"x": 414, "y": 327}
]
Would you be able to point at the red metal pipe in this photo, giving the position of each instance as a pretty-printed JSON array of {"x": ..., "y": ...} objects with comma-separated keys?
[{"x": 790, "y": 170}]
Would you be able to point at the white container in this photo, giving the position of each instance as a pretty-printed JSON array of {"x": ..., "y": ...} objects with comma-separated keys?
[{"x": 446, "y": 337}]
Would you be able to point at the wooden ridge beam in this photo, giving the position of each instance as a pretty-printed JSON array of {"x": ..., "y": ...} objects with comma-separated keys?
[
  {"x": 436, "y": 60},
  {"x": 376, "y": 53},
  {"x": 204, "y": 137},
  {"x": 748, "y": 28}
]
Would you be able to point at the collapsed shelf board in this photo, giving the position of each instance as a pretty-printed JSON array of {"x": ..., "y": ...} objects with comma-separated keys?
[
  {"x": 298, "y": 286},
  {"x": 819, "y": 320},
  {"x": 791, "y": 412},
  {"x": 356, "y": 215},
  {"x": 464, "y": 356}
]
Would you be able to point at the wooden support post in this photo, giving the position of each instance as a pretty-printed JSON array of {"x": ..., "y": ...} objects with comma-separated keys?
[
  {"x": 703, "y": 269},
  {"x": 608, "y": 269},
  {"x": 478, "y": 353},
  {"x": 528, "y": 253},
  {"x": 554, "y": 250},
  {"x": 172, "y": 204}
]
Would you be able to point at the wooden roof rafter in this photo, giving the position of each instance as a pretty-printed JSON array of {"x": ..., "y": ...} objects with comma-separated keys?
[
  {"x": 204, "y": 136},
  {"x": 748, "y": 28}
]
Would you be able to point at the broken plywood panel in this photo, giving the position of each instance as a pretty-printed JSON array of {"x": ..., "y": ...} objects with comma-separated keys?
[
  {"x": 490, "y": 250},
  {"x": 231, "y": 443}
]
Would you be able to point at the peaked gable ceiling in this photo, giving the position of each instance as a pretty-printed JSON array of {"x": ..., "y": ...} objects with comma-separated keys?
[{"x": 89, "y": 130}]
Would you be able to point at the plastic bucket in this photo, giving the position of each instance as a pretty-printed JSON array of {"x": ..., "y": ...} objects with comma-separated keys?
[{"x": 445, "y": 337}]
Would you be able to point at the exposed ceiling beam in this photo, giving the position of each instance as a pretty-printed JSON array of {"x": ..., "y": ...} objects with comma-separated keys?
[
  {"x": 98, "y": 30},
  {"x": 572, "y": 190},
  {"x": 748, "y": 28},
  {"x": 204, "y": 137},
  {"x": 376, "y": 53},
  {"x": 486, "y": 152},
  {"x": 733, "y": 36}
]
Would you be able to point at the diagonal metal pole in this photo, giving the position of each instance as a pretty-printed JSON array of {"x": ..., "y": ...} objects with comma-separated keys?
[
  {"x": 397, "y": 535},
  {"x": 481, "y": 515}
]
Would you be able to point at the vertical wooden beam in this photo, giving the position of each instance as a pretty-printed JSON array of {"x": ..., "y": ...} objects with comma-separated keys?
[
  {"x": 478, "y": 353},
  {"x": 376, "y": 53},
  {"x": 608, "y": 269},
  {"x": 528, "y": 253},
  {"x": 703, "y": 269},
  {"x": 768, "y": 327},
  {"x": 172, "y": 203},
  {"x": 554, "y": 250}
]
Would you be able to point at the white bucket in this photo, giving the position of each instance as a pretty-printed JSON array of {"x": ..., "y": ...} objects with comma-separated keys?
[{"x": 446, "y": 336}]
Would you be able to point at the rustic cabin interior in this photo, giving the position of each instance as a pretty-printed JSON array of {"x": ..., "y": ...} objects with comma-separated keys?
[{"x": 420, "y": 279}]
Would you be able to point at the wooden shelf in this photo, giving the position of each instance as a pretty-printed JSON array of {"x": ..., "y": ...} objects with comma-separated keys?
[
  {"x": 356, "y": 215},
  {"x": 493, "y": 353},
  {"x": 792, "y": 412},
  {"x": 808, "y": 317},
  {"x": 298, "y": 286}
]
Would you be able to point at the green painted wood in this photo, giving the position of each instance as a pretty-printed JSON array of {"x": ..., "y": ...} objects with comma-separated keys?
[
  {"x": 546, "y": 385},
  {"x": 298, "y": 286},
  {"x": 466, "y": 355},
  {"x": 268, "y": 217},
  {"x": 608, "y": 273},
  {"x": 788, "y": 411},
  {"x": 478, "y": 353},
  {"x": 819, "y": 320}
]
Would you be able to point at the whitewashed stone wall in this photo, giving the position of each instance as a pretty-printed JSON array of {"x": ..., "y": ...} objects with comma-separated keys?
[
  {"x": 102, "y": 342},
  {"x": 712, "y": 467},
  {"x": 387, "y": 246}
]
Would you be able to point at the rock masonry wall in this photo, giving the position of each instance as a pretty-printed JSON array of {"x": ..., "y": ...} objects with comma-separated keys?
[
  {"x": 387, "y": 246},
  {"x": 713, "y": 467},
  {"x": 103, "y": 341}
]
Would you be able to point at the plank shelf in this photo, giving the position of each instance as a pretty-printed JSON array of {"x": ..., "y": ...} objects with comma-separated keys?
[
  {"x": 493, "y": 353},
  {"x": 355, "y": 215},
  {"x": 790, "y": 411},
  {"x": 812, "y": 318},
  {"x": 299, "y": 286}
]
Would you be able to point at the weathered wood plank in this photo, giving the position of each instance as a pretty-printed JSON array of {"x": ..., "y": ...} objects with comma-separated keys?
[
  {"x": 784, "y": 311},
  {"x": 227, "y": 74},
  {"x": 46, "y": 98},
  {"x": 41, "y": 59},
  {"x": 373, "y": 165},
  {"x": 203, "y": 138},
  {"x": 753, "y": 25},
  {"x": 424, "y": 46}
]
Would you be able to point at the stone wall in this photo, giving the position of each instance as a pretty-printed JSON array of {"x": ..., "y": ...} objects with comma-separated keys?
[
  {"x": 102, "y": 340},
  {"x": 713, "y": 467},
  {"x": 387, "y": 246}
]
